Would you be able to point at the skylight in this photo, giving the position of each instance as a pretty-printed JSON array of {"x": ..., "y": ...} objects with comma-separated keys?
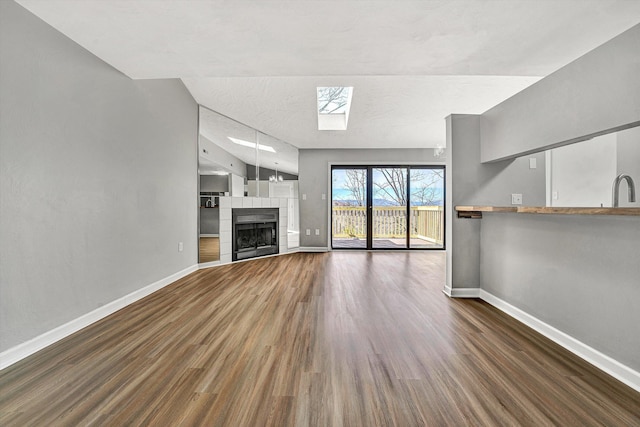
[
  {"x": 252, "y": 144},
  {"x": 333, "y": 107}
]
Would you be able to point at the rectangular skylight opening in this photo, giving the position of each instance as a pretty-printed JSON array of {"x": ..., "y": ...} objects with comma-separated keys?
[{"x": 334, "y": 103}]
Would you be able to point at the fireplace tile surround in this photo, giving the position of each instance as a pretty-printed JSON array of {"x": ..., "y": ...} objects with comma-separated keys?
[{"x": 226, "y": 204}]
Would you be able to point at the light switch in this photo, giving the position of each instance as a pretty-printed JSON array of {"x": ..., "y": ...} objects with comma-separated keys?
[
  {"x": 324, "y": 196},
  {"x": 317, "y": 231},
  {"x": 304, "y": 197},
  {"x": 307, "y": 232},
  {"x": 533, "y": 163}
]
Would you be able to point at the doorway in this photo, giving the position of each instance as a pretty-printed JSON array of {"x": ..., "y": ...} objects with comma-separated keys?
[{"x": 387, "y": 207}]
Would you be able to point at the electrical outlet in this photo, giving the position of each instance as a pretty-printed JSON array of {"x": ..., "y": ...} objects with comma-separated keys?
[
  {"x": 324, "y": 196},
  {"x": 317, "y": 231},
  {"x": 180, "y": 247},
  {"x": 532, "y": 163},
  {"x": 554, "y": 195},
  {"x": 516, "y": 199},
  {"x": 307, "y": 232}
]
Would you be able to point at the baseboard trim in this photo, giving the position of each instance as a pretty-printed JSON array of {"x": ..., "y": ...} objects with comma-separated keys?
[
  {"x": 601, "y": 361},
  {"x": 461, "y": 292},
  {"x": 209, "y": 264},
  {"x": 607, "y": 364},
  {"x": 313, "y": 249},
  {"x": 27, "y": 348}
]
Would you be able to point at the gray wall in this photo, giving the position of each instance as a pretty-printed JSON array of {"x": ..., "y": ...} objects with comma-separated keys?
[
  {"x": 475, "y": 183},
  {"x": 98, "y": 179},
  {"x": 214, "y": 183},
  {"x": 209, "y": 221},
  {"x": 599, "y": 91},
  {"x": 580, "y": 274},
  {"x": 313, "y": 181},
  {"x": 215, "y": 154},
  {"x": 491, "y": 183},
  {"x": 209, "y": 218},
  {"x": 629, "y": 162}
]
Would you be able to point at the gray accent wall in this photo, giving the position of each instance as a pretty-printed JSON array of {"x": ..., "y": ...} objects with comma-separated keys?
[
  {"x": 210, "y": 221},
  {"x": 214, "y": 183},
  {"x": 98, "y": 179},
  {"x": 599, "y": 91},
  {"x": 578, "y": 274},
  {"x": 475, "y": 183},
  {"x": 313, "y": 181}
]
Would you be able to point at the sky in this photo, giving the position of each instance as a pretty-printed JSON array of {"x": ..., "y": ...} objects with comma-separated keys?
[{"x": 341, "y": 192}]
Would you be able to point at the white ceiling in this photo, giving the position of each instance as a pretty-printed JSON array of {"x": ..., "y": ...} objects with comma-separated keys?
[
  {"x": 411, "y": 62},
  {"x": 386, "y": 111}
]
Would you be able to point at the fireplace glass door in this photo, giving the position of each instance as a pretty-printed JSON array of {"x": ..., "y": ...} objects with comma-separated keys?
[
  {"x": 265, "y": 235},
  {"x": 255, "y": 233},
  {"x": 245, "y": 237}
]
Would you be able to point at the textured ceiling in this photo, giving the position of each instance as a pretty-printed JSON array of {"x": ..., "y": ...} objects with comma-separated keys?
[
  {"x": 390, "y": 111},
  {"x": 411, "y": 62}
]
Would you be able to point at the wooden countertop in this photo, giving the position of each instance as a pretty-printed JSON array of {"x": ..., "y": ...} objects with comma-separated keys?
[
  {"x": 486, "y": 209},
  {"x": 476, "y": 211}
]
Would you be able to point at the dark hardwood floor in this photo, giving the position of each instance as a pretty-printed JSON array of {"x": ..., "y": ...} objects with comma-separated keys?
[{"x": 333, "y": 339}]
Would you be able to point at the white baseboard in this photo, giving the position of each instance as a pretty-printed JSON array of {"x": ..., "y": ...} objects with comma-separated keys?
[
  {"x": 209, "y": 264},
  {"x": 313, "y": 249},
  {"x": 461, "y": 292},
  {"x": 27, "y": 348},
  {"x": 609, "y": 365}
]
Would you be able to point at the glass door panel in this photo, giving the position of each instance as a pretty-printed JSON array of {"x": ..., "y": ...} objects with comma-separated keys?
[
  {"x": 389, "y": 208},
  {"x": 426, "y": 216},
  {"x": 349, "y": 208}
]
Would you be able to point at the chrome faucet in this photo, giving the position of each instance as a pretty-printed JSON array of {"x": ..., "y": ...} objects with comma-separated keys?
[{"x": 616, "y": 189}]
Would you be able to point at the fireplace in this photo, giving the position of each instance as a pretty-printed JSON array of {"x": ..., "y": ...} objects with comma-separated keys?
[{"x": 255, "y": 233}]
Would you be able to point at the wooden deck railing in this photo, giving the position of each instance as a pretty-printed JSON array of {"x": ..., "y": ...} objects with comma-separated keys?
[{"x": 426, "y": 222}]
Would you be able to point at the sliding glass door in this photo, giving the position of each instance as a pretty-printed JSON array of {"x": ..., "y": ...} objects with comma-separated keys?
[
  {"x": 387, "y": 207},
  {"x": 349, "y": 195},
  {"x": 426, "y": 216},
  {"x": 389, "y": 213}
]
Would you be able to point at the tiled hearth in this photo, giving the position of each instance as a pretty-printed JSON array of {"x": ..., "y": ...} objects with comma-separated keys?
[{"x": 226, "y": 227}]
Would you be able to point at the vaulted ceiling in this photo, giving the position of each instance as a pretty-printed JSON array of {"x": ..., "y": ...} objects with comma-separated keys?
[{"x": 411, "y": 63}]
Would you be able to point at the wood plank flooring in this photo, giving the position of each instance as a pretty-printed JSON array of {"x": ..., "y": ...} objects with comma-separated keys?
[
  {"x": 209, "y": 249},
  {"x": 333, "y": 339}
]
